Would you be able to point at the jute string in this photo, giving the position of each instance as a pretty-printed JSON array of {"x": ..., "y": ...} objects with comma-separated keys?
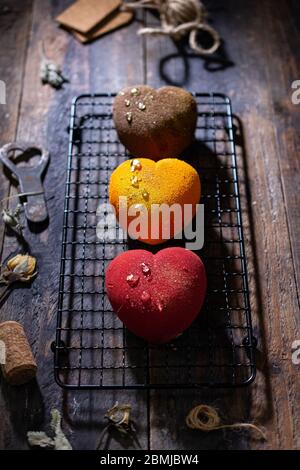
[
  {"x": 206, "y": 418},
  {"x": 180, "y": 17}
]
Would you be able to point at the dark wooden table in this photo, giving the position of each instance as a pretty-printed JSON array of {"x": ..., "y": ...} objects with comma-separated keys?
[{"x": 259, "y": 60}]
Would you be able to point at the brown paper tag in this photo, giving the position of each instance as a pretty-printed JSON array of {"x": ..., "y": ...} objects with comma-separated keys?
[
  {"x": 114, "y": 22},
  {"x": 84, "y": 15}
]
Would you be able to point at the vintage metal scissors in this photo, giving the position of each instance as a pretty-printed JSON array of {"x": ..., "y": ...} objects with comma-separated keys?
[{"x": 29, "y": 178}]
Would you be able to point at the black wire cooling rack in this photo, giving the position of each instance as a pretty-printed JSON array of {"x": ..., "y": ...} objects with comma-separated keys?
[{"x": 92, "y": 348}]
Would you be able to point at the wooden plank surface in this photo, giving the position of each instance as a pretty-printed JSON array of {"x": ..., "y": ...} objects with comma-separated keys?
[
  {"x": 44, "y": 119},
  {"x": 256, "y": 42},
  {"x": 15, "y": 23},
  {"x": 259, "y": 60},
  {"x": 165, "y": 64},
  {"x": 15, "y": 20}
]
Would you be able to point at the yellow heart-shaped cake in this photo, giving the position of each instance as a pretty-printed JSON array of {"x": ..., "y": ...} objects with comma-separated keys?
[{"x": 155, "y": 192}]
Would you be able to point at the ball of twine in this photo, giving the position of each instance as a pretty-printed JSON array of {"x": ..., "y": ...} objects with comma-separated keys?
[
  {"x": 178, "y": 18},
  {"x": 206, "y": 418}
]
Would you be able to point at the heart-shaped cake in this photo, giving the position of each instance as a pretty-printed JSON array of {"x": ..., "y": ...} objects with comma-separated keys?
[
  {"x": 156, "y": 296},
  {"x": 147, "y": 183},
  {"x": 155, "y": 123}
]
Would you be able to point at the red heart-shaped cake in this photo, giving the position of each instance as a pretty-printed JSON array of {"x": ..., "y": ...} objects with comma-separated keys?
[{"x": 156, "y": 296}]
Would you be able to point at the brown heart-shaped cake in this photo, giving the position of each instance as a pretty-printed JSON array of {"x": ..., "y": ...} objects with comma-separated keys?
[{"x": 155, "y": 123}]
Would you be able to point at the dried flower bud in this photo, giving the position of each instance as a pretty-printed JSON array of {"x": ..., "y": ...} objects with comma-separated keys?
[
  {"x": 119, "y": 414},
  {"x": 19, "y": 268},
  {"x": 51, "y": 73},
  {"x": 22, "y": 264},
  {"x": 119, "y": 417}
]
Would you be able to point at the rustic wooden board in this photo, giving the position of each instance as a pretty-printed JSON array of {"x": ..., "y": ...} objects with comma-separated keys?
[
  {"x": 15, "y": 25},
  {"x": 168, "y": 410},
  {"x": 261, "y": 40},
  {"x": 267, "y": 181},
  {"x": 44, "y": 118}
]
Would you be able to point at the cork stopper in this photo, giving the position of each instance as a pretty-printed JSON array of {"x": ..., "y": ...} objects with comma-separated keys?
[{"x": 20, "y": 366}]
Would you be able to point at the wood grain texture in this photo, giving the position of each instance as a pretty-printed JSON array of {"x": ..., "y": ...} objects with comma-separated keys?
[
  {"x": 168, "y": 62},
  {"x": 44, "y": 118},
  {"x": 255, "y": 67},
  {"x": 14, "y": 25},
  {"x": 256, "y": 43}
]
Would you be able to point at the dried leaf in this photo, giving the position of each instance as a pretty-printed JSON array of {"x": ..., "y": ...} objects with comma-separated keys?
[
  {"x": 61, "y": 442},
  {"x": 41, "y": 439},
  {"x": 12, "y": 219}
]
